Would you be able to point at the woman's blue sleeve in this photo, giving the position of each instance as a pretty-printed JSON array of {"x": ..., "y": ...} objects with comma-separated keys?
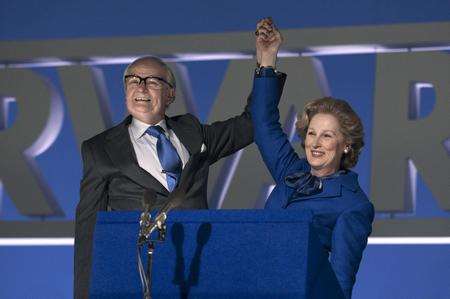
[
  {"x": 349, "y": 240},
  {"x": 272, "y": 142}
]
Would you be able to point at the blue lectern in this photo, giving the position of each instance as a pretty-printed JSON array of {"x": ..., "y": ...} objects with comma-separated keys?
[{"x": 215, "y": 254}]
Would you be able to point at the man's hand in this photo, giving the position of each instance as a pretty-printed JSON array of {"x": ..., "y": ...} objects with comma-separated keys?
[{"x": 268, "y": 41}]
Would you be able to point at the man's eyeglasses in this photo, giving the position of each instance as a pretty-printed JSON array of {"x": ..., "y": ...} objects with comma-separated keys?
[{"x": 151, "y": 82}]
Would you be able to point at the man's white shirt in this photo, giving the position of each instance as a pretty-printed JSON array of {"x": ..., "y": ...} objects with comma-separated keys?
[{"x": 145, "y": 148}]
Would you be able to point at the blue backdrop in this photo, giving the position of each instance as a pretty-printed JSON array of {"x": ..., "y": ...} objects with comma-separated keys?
[{"x": 387, "y": 271}]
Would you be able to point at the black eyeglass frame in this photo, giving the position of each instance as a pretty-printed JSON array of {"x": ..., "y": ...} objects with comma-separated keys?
[{"x": 145, "y": 79}]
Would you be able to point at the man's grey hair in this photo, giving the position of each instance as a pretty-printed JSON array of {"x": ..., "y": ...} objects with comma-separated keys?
[{"x": 170, "y": 75}]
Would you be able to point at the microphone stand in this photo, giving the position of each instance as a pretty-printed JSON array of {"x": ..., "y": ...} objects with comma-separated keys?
[{"x": 147, "y": 227}]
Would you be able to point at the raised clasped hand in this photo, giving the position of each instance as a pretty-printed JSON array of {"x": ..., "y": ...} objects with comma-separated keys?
[{"x": 268, "y": 41}]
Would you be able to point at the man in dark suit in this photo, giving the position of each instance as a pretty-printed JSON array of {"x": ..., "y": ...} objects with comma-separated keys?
[{"x": 148, "y": 150}]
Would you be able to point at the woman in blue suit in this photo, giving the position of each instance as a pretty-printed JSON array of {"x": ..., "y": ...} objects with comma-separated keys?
[{"x": 323, "y": 183}]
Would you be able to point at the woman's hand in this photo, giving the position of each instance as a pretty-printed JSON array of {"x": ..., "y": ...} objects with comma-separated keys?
[{"x": 268, "y": 41}]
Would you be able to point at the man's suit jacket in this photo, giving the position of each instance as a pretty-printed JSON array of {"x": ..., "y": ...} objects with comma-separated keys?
[{"x": 112, "y": 179}]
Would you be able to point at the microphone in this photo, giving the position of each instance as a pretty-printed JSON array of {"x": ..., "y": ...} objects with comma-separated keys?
[
  {"x": 176, "y": 197},
  {"x": 179, "y": 193},
  {"x": 145, "y": 224},
  {"x": 147, "y": 201},
  {"x": 174, "y": 200}
]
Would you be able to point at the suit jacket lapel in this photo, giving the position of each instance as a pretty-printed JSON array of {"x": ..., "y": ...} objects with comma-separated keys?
[
  {"x": 188, "y": 135},
  {"x": 189, "y": 173},
  {"x": 120, "y": 150}
]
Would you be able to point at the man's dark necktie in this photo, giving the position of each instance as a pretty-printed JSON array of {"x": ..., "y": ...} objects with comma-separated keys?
[{"x": 168, "y": 156}]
